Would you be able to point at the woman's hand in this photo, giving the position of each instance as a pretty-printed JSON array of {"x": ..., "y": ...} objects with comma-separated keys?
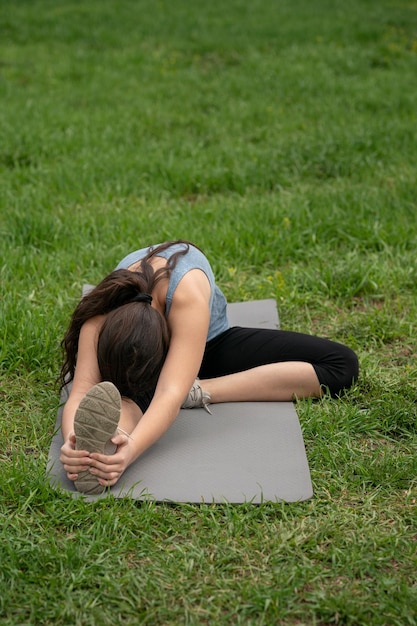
[
  {"x": 109, "y": 468},
  {"x": 74, "y": 461}
]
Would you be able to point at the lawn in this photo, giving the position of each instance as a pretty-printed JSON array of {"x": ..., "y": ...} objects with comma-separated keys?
[{"x": 280, "y": 136}]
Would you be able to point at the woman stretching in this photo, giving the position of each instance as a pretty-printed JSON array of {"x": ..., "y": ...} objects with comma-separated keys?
[{"x": 137, "y": 343}]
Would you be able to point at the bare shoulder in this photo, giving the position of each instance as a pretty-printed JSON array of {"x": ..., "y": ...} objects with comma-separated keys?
[
  {"x": 194, "y": 286},
  {"x": 93, "y": 325},
  {"x": 90, "y": 331}
]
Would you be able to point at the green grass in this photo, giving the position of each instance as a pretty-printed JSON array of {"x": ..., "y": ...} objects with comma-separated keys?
[{"x": 279, "y": 135}]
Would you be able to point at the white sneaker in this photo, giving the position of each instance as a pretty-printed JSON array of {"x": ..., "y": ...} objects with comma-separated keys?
[{"x": 197, "y": 398}]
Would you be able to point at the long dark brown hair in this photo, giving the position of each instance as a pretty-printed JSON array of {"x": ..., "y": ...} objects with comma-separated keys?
[{"x": 134, "y": 338}]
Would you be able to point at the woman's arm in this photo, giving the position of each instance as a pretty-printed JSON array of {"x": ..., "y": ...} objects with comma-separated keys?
[
  {"x": 188, "y": 320},
  {"x": 87, "y": 374}
]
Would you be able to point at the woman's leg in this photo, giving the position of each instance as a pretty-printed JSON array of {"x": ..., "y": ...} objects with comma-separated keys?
[
  {"x": 277, "y": 382},
  {"x": 246, "y": 364},
  {"x": 130, "y": 414}
]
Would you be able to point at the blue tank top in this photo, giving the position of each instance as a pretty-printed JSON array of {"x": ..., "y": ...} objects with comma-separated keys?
[{"x": 193, "y": 259}]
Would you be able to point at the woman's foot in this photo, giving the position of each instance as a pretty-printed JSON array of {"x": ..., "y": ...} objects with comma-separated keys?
[
  {"x": 95, "y": 423},
  {"x": 197, "y": 398}
]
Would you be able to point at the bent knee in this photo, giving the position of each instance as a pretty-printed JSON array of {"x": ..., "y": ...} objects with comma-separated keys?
[
  {"x": 340, "y": 371},
  {"x": 350, "y": 372}
]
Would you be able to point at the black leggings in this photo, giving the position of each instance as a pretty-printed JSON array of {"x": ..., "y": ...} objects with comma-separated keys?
[{"x": 239, "y": 349}]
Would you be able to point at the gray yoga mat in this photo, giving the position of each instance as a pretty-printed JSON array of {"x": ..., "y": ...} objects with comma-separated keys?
[{"x": 243, "y": 452}]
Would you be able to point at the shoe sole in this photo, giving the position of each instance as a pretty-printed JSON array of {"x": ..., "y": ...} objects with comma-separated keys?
[{"x": 95, "y": 423}]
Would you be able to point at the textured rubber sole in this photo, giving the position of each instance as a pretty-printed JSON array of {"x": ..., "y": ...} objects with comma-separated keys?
[{"x": 95, "y": 423}]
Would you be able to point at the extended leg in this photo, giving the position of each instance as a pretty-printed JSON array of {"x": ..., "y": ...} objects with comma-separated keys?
[{"x": 100, "y": 415}]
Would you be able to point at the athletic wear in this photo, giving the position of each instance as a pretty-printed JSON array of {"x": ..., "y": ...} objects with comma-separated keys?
[
  {"x": 229, "y": 350},
  {"x": 197, "y": 398},
  {"x": 239, "y": 349},
  {"x": 193, "y": 259}
]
